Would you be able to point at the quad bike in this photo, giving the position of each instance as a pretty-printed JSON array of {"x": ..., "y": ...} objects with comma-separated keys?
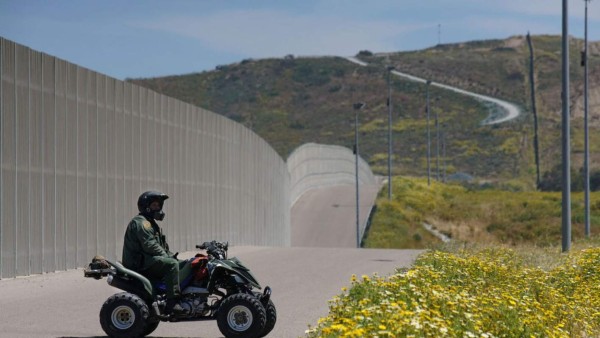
[{"x": 218, "y": 289}]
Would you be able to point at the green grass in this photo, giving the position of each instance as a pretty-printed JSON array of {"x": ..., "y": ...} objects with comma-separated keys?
[{"x": 474, "y": 215}]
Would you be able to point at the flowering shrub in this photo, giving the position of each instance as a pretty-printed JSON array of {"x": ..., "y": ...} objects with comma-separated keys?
[{"x": 489, "y": 293}]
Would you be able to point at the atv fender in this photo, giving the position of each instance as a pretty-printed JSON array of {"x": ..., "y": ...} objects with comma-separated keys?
[{"x": 123, "y": 273}]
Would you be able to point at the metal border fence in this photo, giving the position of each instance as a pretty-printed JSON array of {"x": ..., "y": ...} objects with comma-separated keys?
[
  {"x": 78, "y": 147},
  {"x": 318, "y": 165}
]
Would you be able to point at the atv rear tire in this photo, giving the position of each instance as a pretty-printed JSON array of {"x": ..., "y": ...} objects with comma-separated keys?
[
  {"x": 125, "y": 315},
  {"x": 241, "y": 315}
]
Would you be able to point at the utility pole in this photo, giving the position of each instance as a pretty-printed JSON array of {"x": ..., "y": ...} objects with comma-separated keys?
[
  {"x": 586, "y": 158},
  {"x": 389, "y": 104},
  {"x": 534, "y": 110},
  {"x": 566, "y": 146},
  {"x": 428, "y": 136},
  {"x": 357, "y": 106},
  {"x": 437, "y": 147},
  {"x": 444, "y": 152}
]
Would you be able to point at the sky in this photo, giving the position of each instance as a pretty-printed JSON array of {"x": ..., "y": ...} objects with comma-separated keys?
[{"x": 149, "y": 38}]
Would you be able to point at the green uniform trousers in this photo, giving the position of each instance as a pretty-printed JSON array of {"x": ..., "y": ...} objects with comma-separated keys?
[{"x": 170, "y": 271}]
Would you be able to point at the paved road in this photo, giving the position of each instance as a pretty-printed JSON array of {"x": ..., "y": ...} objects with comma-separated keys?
[
  {"x": 326, "y": 217},
  {"x": 303, "y": 278},
  {"x": 65, "y": 304}
]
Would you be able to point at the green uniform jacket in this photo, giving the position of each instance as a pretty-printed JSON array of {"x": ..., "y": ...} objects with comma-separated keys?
[{"x": 143, "y": 241}]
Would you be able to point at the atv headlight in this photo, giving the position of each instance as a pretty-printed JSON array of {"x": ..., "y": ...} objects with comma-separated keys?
[{"x": 238, "y": 279}]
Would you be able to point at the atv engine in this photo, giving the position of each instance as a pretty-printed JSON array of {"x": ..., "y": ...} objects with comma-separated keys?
[{"x": 195, "y": 301}]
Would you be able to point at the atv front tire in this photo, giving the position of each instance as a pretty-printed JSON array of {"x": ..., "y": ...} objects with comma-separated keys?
[
  {"x": 271, "y": 315},
  {"x": 241, "y": 316},
  {"x": 125, "y": 315},
  {"x": 150, "y": 327},
  {"x": 271, "y": 318}
]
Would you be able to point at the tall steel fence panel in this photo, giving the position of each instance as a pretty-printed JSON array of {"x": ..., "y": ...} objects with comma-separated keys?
[
  {"x": 8, "y": 154},
  {"x": 36, "y": 139},
  {"x": 78, "y": 148},
  {"x": 317, "y": 165}
]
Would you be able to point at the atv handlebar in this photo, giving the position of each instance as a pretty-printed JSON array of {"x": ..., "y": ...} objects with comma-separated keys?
[{"x": 215, "y": 248}]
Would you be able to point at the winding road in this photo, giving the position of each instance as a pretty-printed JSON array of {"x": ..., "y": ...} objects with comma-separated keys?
[{"x": 512, "y": 110}]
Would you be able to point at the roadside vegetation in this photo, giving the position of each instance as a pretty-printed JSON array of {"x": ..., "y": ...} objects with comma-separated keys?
[
  {"x": 502, "y": 275},
  {"x": 490, "y": 292},
  {"x": 508, "y": 214}
]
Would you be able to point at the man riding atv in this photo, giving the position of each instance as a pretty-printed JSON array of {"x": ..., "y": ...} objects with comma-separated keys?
[{"x": 146, "y": 251}]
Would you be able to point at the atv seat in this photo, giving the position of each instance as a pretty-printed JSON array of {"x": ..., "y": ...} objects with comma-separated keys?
[
  {"x": 129, "y": 275},
  {"x": 152, "y": 286}
]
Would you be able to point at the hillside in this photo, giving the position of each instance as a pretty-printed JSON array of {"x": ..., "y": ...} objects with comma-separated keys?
[{"x": 291, "y": 101}]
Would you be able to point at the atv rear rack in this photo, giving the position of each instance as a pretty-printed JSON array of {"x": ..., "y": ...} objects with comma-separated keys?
[{"x": 97, "y": 273}]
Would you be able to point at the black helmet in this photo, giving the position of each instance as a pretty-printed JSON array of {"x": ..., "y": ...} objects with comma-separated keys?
[{"x": 146, "y": 199}]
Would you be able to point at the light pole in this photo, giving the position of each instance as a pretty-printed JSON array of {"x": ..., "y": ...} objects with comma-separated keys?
[
  {"x": 566, "y": 134},
  {"x": 389, "y": 104},
  {"x": 428, "y": 135},
  {"x": 444, "y": 152},
  {"x": 357, "y": 106},
  {"x": 437, "y": 139},
  {"x": 586, "y": 158}
]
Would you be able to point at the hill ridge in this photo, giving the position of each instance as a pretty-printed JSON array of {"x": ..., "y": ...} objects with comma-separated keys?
[{"x": 290, "y": 101}]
